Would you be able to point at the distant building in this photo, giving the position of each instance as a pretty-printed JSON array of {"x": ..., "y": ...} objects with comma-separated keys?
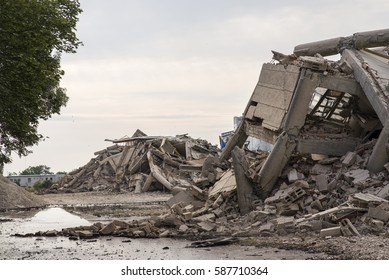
[{"x": 30, "y": 180}]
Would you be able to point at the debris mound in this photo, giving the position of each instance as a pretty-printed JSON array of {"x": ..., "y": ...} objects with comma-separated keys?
[
  {"x": 14, "y": 197},
  {"x": 327, "y": 174},
  {"x": 141, "y": 163}
]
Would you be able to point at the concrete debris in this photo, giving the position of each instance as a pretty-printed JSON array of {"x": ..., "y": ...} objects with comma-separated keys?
[
  {"x": 331, "y": 232},
  {"x": 214, "y": 242},
  {"x": 327, "y": 174},
  {"x": 142, "y": 163}
]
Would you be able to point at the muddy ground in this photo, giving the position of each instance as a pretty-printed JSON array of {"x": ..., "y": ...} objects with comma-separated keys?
[{"x": 75, "y": 209}]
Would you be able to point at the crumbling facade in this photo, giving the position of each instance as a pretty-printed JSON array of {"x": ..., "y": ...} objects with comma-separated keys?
[{"x": 311, "y": 105}]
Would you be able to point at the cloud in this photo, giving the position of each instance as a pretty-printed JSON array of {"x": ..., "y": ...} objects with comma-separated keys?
[{"x": 178, "y": 66}]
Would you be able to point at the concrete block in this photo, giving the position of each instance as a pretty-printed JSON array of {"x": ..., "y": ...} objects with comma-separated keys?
[
  {"x": 218, "y": 212},
  {"x": 257, "y": 215},
  {"x": 293, "y": 175},
  {"x": 84, "y": 234},
  {"x": 378, "y": 213},
  {"x": 183, "y": 197},
  {"x": 187, "y": 215},
  {"x": 206, "y": 226},
  {"x": 198, "y": 193},
  {"x": 314, "y": 225},
  {"x": 377, "y": 224},
  {"x": 108, "y": 229},
  {"x": 321, "y": 169},
  {"x": 349, "y": 159},
  {"x": 357, "y": 176},
  {"x": 146, "y": 227},
  {"x": 384, "y": 192},
  {"x": 322, "y": 183},
  {"x": 295, "y": 194},
  {"x": 268, "y": 227},
  {"x": 316, "y": 204},
  {"x": 333, "y": 232},
  {"x": 284, "y": 221},
  {"x": 287, "y": 210},
  {"x": 183, "y": 228}
]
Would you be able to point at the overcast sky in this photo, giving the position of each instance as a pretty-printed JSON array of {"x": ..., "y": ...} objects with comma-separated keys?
[{"x": 171, "y": 67}]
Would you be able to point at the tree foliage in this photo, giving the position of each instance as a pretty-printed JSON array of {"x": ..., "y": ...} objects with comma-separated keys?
[
  {"x": 45, "y": 184},
  {"x": 36, "y": 170},
  {"x": 33, "y": 34}
]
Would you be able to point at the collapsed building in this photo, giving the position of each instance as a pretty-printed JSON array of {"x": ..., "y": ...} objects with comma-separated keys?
[
  {"x": 327, "y": 174},
  {"x": 311, "y": 105}
]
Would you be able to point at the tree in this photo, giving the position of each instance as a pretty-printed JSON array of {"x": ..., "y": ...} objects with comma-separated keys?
[
  {"x": 34, "y": 34},
  {"x": 36, "y": 170}
]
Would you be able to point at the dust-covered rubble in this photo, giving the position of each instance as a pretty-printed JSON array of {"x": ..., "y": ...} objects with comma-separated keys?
[
  {"x": 298, "y": 207},
  {"x": 144, "y": 163},
  {"x": 326, "y": 176}
]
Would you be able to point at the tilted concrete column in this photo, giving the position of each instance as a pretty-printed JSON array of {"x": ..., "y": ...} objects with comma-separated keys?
[
  {"x": 244, "y": 186},
  {"x": 380, "y": 154},
  {"x": 238, "y": 139},
  {"x": 274, "y": 164},
  {"x": 299, "y": 106}
]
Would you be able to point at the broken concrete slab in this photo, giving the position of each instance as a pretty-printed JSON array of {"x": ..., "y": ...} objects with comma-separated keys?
[
  {"x": 293, "y": 175},
  {"x": 366, "y": 200},
  {"x": 357, "y": 176},
  {"x": 226, "y": 185},
  {"x": 322, "y": 183},
  {"x": 331, "y": 232},
  {"x": 214, "y": 242},
  {"x": 206, "y": 226},
  {"x": 384, "y": 192},
  {"x": 349, "y": 159},
  {"x": 378, "y": 213}
]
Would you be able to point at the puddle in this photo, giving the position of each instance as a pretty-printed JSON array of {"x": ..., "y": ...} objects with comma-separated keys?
[{"x": 54, "y": 218}]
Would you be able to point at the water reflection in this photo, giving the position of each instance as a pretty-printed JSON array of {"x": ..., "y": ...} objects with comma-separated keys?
[{"x": 54, "y": 218}]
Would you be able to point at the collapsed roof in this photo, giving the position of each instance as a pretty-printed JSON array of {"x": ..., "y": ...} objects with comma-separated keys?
[{"x": 312, "y": 105}]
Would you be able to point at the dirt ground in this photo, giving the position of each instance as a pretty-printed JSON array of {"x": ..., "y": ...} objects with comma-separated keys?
[{"x": 68, "y": 210}]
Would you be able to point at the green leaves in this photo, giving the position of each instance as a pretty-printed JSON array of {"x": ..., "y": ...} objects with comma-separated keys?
[
  {"x": 36, "y": 170},
  {"x": 33, "y": 34}
]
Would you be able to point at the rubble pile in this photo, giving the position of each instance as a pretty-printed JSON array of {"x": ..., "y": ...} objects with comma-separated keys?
[
  {"x": 328, "y": 197},
  {"x": 142, "y": 163},
  {"x": 334, "y": 196},
  {"x": 327, "y": 174}
]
